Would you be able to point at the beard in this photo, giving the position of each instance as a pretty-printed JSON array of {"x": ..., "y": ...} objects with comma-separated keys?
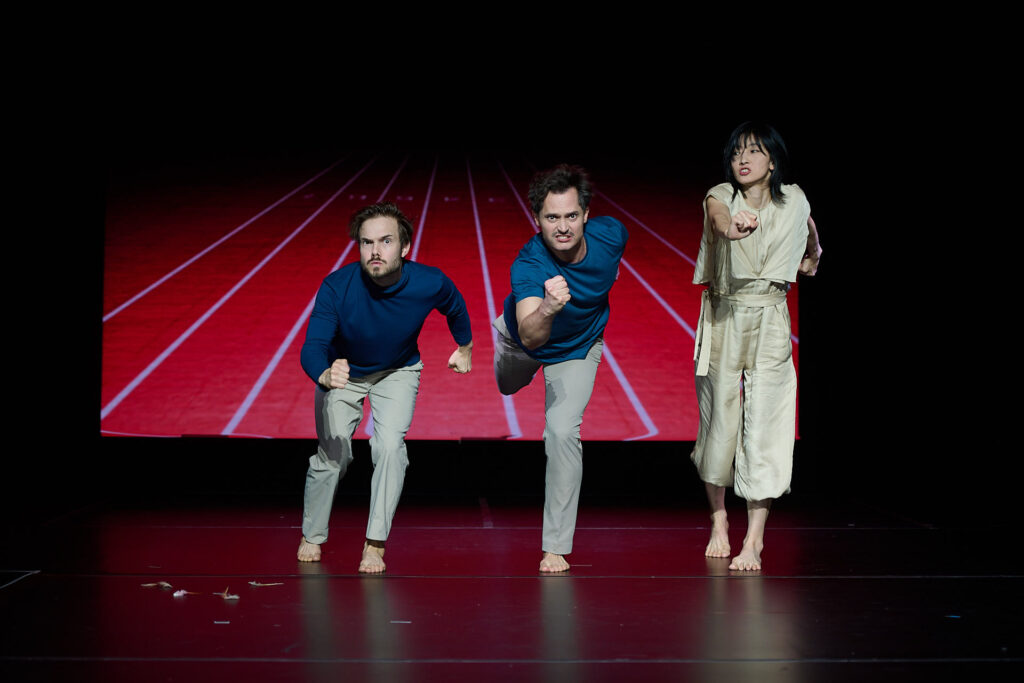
[{"x": 382, "y": 271}]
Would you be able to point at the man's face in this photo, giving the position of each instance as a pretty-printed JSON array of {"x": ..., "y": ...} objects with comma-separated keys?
[
  {"x": 561, "y": 222},
  {"x": 381, "y": 251}
]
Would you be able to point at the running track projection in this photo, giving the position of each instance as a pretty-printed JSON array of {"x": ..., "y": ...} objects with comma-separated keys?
[{"x": 209, "y": 280}]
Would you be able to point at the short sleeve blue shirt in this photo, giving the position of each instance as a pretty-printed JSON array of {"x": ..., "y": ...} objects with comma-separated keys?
[{"x": 583, "y": 319}]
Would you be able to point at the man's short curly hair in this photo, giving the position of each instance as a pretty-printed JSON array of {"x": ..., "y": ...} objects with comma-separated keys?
[{"x": 558, "y": 180}]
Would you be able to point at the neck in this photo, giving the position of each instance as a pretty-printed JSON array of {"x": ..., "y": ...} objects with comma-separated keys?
[
  {"x": 758, "y": 196},
  {"x": 574, "y": 256}
]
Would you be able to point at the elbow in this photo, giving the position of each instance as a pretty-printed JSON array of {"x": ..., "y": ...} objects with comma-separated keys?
[{"x": 530, "y": 343}]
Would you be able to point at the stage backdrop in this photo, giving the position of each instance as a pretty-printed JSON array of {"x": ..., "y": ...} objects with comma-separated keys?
[{"x": 210, "y": 273}]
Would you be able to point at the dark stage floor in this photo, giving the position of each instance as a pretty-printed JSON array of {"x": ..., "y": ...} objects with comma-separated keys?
[{"x": 850, "y": 591}]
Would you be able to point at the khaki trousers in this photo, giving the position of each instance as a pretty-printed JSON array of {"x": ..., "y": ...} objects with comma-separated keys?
[
  {"x": 392, "y": 395},
  {"x": 568, "y": 386}
]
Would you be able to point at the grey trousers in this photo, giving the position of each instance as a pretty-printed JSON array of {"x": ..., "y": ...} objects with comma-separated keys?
[
  {"x": 567, "y": 389},
  {"x": 338, "y": 412}
]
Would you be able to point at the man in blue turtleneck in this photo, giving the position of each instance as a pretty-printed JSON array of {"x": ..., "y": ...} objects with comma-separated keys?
[{"x": 361, "y": 342}]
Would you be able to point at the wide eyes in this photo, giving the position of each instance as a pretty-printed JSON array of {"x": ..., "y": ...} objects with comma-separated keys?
[{"x": 569, "y": 216}]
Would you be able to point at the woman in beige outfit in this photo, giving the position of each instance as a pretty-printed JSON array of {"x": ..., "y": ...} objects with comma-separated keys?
[{"x": 758, "y": 234}]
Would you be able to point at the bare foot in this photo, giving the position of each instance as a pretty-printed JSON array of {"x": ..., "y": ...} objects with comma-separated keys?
[
  {"x": 309, "y": 552},
  {"x": 552, "y": 564},
  {"x": 373, "y": 560},
  {"x": 718, "y": 546},
  {"x": 749, "y": 559}
]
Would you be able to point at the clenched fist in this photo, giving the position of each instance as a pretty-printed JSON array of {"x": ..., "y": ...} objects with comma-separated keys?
[
  {"x": 556, "y": 294},
  {"x": 744, "y": 222},
  {"x": 336, "y": 376}
]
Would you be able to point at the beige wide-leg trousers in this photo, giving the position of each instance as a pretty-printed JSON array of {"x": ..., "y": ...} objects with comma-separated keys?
[{"x": 746, "y": 392}]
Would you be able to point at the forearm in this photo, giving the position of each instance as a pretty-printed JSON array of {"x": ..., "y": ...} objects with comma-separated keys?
[
  {"x": 313, "y": 358},
  {"x": 813, "y": 246},
  {"x": 320, "y": 331},
  {"x": 722, "y": 224},
  {"x": 812, "y": 254},
  {"x": 460, "y": 329},
  {"x": 453, "y": 308},
  {"x": 535, "y": 328},
  {"x": 721, "y": 221}
]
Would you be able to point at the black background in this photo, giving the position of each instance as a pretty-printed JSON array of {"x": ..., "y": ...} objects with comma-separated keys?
[{"x": 900, "y": 381}]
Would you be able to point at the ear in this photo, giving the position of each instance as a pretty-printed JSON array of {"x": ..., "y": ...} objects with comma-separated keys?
[
  {"x": 536, "y": 220},
  {"x": 405, "y": 248},
  {"x": 586, "y": 214}
]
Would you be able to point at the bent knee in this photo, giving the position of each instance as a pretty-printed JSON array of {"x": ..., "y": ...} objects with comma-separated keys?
[
  {"x": 507, "y": 389},
  {"x": 331, "y": 456}
]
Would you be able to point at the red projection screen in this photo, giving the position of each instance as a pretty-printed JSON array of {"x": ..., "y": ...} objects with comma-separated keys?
[{"x": 210, "y": 272}]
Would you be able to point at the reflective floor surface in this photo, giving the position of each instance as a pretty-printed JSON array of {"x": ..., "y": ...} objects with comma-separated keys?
[{"x": 205, "y": 588}]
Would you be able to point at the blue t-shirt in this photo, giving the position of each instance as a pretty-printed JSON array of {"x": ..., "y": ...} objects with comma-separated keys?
[
  {"x": 375, "y": 328},
  {"x": 582, "y": 321}
]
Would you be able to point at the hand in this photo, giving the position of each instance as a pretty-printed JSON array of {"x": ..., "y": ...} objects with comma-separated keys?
[
  {"x": 744, "y": 223},
  {"x": 336, "y": 376},
  {"x": 556, "y": 294},
  {"x": 809, "y": 264},
  {"x": 461, "y": 361}
]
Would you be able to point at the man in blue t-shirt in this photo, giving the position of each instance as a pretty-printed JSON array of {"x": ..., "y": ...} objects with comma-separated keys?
[
  {"x": 361, "y": 342},
  {"x": 554, "y": 319}
]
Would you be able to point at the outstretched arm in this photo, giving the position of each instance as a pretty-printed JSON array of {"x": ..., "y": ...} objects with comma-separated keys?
[
  {"x": 461, "y": 361},
  {"x": 809, "y": 264},
  {"x": 730, "y": 227},
  {"x": 536, "y": 315}
]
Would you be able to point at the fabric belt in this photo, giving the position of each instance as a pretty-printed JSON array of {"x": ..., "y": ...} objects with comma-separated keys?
[{"x": 702, "y": 350}]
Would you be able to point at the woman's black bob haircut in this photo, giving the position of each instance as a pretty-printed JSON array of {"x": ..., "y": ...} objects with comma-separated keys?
[{"x": 771, "y": 143}]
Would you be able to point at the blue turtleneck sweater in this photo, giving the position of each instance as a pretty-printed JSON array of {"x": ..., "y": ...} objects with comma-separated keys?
[{"x": 375, "y": 328}]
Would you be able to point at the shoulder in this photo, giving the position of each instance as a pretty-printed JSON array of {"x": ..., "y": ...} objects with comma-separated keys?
[
  {"x": 607, "y": 223},
  {"x": 795, "y": 194},
  {"x": 533, "y": 251},
  {"x": 425, "y": 277},
  {"x": 794, "y": 190},
  {"x": 723, "y": 192},
  {"x": 342, "y": 275},
  {"x": 609, "y": 227},
  {"x": 422, "y": 270}
]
